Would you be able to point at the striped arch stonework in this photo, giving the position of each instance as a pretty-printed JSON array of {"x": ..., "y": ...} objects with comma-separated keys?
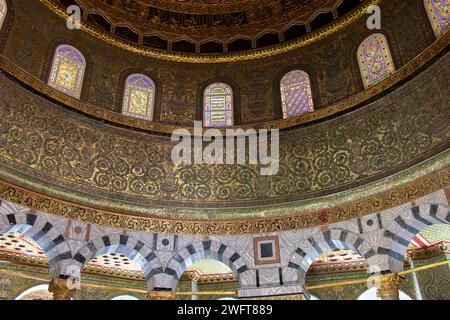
[
  {"x": 127, "y": 245},
  {"x": 14, "y": 218},
  {"x": 405, "y": 226},
  {"x": 206, "y": 249},
  {"x": 321, "y": 242}
]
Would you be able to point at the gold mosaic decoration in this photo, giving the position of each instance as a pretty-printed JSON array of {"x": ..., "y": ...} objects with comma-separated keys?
[{"x": 403, "y": 194}]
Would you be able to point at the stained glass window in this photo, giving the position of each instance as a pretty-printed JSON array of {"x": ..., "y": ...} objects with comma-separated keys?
[
  {"x": 2, "y": 11},
  {"x": 296, "y": 96},
  {"x": 139, "y": 97},
  {"x": 218, "y": 105},
  {"x": 67, "y": 71},
  {"x": 439, "y": 13},
  {"x": 375, "y": 60}
]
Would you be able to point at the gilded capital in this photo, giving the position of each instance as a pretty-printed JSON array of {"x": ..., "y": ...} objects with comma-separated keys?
[
  {"x": 161, "y": 295},
  {"x": 63, "y": 289},
  {"x": 388, "y": 286}
]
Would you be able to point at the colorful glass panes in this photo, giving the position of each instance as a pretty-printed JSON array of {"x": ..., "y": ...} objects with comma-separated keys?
[
  {"x": 375, "y": 60},
  {"x": 296, "y": 96},
  {"x": 439, "y": 13},
  {"x": 139, "y": 97},
  {"x": 67, "y": 71},
  {"x": 2, "y": 11},
  {"x": 218, "y": 105}
]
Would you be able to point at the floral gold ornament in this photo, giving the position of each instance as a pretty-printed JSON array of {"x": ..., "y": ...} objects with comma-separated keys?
[{"x": 388, "y": 286}]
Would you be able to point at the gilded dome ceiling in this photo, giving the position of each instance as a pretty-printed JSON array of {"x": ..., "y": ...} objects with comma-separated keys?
[{"x": 211, "y": 26}]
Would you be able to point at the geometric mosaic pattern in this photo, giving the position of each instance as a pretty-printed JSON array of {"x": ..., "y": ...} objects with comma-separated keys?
[
  {"x": 139, "y": 97},
  {"x": 67, "y": 71},
  {"x": 439, "y": 14},
  {"x": 3, "y": 10},
  {"x": 296, "y": 96},
  {"x": 218, "y": 105},
  {"x": 375, "y": 60}
]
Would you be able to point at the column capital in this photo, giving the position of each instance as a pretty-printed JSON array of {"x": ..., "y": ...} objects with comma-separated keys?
[
  {"x": 161, "y": 295},
  {"x": 388, "y": 286},
  {"x": 63, "y": 289}
]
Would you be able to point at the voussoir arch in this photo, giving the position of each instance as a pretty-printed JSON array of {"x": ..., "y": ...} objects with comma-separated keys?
[
  {"x": 206, "y": 249},
  {"x": 322, "y": 241}
]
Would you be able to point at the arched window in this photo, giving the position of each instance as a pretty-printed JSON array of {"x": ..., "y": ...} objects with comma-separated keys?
[
  {"x": 139, "y": 97},
  {"x": 218, "y": 105},
  {"x": 439, "y": 14},
  {"x": 3, "y": 10},
  {"x": 375, "y": 60},
  {"x": 67, "y": 71},
  {"x": 296, "y": 96}
]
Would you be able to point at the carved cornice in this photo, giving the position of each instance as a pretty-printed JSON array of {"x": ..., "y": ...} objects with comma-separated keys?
[
  {"x": 338, "y": 25},
  {"x": 162, "y": 128}
]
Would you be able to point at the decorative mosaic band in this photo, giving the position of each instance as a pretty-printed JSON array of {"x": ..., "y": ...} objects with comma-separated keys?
[{"x": 389, "y": 199}]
